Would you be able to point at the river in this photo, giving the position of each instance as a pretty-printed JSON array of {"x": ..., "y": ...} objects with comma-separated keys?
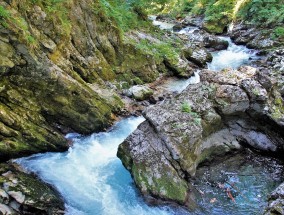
[{"x": 93, "y": 181}]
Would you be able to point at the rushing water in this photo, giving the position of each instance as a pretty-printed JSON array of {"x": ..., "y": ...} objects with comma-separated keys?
[
  {"x": 179, "y": 85},
  {"x": 233, "y": 57},
  {"x": 93, "y": 181},
  {"x": 91, "y": 178}
]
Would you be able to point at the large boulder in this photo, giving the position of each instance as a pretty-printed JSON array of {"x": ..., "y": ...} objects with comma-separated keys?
[
  {"x": 256, "y": 38},
  {"x": 203, "y": 123},
  {"x": 215, "y": 43},
  {"x": 179, "y": 67},
  {"x": 197, "y": 55},
  {"x": 139, "y": 92},
  {"x": 216, "y": 26}
]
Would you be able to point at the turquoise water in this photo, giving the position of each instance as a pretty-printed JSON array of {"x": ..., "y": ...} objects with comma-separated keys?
[
  {"x": 93, "y": 181},
  {"x": 249, "y": 178},
  {"x": 91, "y": 178}
]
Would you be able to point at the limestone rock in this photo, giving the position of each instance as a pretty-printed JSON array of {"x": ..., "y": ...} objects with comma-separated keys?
[
  {"x": 177, "y": 27},
  {"x": 199, "y": 56},
  {"x": 4, "y": 197},
  {"x": 203, "y": 123},
  {"x": 253, "y": 37},
  {"x": 18, "y": 196},
  {"x": 180, "y": 68},
  {"x": 215, "y": 43},
  {"x": 139, "y": 92},
  {"x": 4, "y": 209},
  {"x": 276, "y": 201},
  {"x": 152, "y": 172},
  {"x": 29, "y": 195}
]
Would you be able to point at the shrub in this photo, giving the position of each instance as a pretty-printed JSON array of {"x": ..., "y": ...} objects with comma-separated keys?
[
  {"x": 268, "y": 13},
  {"x": 160, "y": 51},
  {"x": 185, "y": 107},
  {"x": 278, "y": 32},
  {"x": 4, "y": 14}
]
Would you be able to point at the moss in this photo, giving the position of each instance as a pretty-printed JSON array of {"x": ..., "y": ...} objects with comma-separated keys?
[
  {"x": 171, "y": 190},
  {"x": 38, "y": 196},
  {"x": 214, "y": 27},
  {"x": 277, "y": 107},
  {"x": 55, "y": 56},
  {"x": 137, "y": 81},
  {"x": 163, "y": 186}
]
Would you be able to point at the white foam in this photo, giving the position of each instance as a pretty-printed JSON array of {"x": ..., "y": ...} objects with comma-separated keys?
[
  {"x": 90, "y": 177},
  {"x": 233, "y": 57}
]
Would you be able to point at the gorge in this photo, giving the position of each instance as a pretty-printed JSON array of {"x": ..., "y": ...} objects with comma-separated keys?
[{"x": 210, "y": 140}]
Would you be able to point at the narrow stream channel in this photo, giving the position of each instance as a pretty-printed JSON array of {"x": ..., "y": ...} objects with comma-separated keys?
[{"x": 93, "y": 181}]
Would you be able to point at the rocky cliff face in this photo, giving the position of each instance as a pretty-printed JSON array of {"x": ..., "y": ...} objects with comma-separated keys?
[
  {"x": 226, "y": 111},
  {"x": 56, "y": 60}
]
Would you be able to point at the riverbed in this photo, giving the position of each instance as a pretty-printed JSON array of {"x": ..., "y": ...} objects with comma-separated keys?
[{"x": 93, "y": 181}]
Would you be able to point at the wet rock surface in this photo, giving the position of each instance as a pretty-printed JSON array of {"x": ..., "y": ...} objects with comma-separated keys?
[
  {"x": 276, "y": 201},
  {"x": 253, "y": 37},
  {"x": 197, "y": 55},
  {"x": 139, "y": 92},
  {"x": 21, "y": 193},
  {"x": 227, "y": 112}
]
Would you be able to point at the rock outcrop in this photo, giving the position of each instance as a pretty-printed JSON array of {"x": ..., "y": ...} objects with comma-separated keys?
[
  {"x": 276, "y": 201},
  {"x": 253, "y": 37},
  {"x": 55, "y": 65},
  {"x": 22, "y": 193},
  {"x": 225, "y": 112},
  {"x": 139, "y": 92}
]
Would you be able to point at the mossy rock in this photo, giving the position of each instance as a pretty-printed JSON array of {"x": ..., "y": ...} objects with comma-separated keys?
[
  {"x": 214, "y": 27},
  {"x": 33, "y": 195}
]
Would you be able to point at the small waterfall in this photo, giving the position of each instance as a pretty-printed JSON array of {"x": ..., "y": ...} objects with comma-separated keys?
[{"x": 233, "y": 57}]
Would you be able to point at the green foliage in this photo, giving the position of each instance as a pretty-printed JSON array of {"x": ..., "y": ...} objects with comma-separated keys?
[
  {"x": 278, "y": 32},
  {"x": 219, "y": 13},
  {"x": 4, "y": 14},
  {"x": 31, "y": 39},
  {"x": 160, "y": 51},
  {"x": 195, "y": 7},
  {"x": 126, "y": 15},
  {"x": 217, "y": 10},
  {"x": 57, "y": 11},
  {"x": 197, "y": 121},
  {"x": 268, "y": 13},
  {"x": 185, "y": 107}
]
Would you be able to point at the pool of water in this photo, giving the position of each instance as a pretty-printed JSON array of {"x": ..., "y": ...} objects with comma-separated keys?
[{"x": 247, "y": 177}]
